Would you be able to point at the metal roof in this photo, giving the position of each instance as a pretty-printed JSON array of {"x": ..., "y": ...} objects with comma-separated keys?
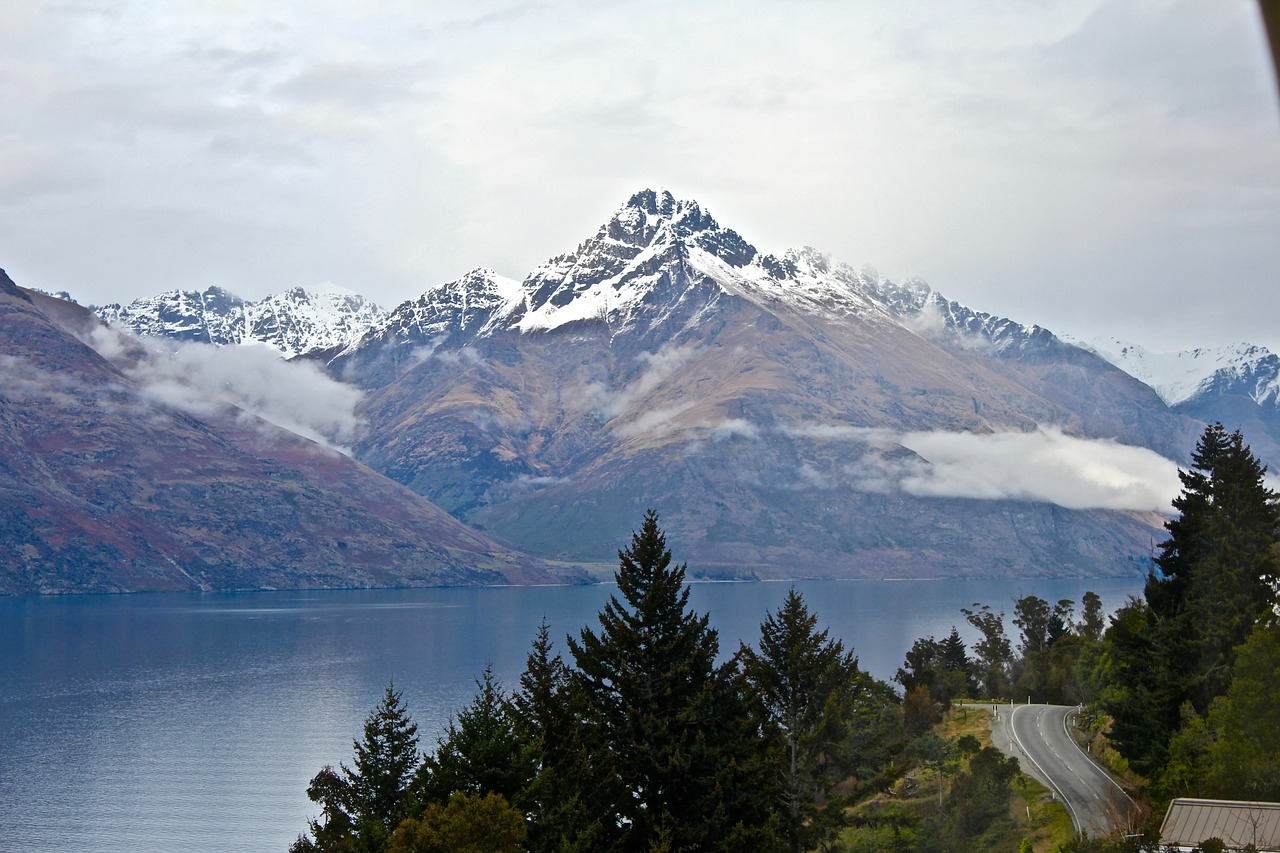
[{"x": 1236, "y": 822}]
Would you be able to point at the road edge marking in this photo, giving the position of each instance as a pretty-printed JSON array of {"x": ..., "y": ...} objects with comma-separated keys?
[
  {"x": 1013, "y": 732},
  {"x": 1089, "y": 758}
]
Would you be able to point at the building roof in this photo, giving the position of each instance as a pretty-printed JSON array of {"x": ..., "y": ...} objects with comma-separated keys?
[{"x": 1236, "y": 822}]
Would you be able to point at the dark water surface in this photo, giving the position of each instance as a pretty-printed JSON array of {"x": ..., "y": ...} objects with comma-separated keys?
[{"x": 194, "y": 721}]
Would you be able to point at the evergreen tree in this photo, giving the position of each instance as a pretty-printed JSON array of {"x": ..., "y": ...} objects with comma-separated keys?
[
  {"x": 1213, "y": 583},
  {"x": 1132, "y": 687},
  {"x": 1245, "y": 753},
  {"x": 957, "y": 668},
  {"x": 943, "y": 668},
  {"x": 362, "y": 805},
  {"x": 480, "y": 753},
  {"x": 954, "y": 656},
  {"x": 673, "y": 733},
  {"x": 1217, "y": 566},
  {"x": 807, "y": 685},
  {"x": 539, "y": 704},
  {"x": 561, "y": 800}
]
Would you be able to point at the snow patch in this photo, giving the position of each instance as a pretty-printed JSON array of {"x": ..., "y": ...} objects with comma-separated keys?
[{"x": 1179, "y": 376}]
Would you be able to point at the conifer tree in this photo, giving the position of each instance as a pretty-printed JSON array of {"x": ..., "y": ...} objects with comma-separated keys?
[
  {"x": 806, "y": 684},
  {"x": 362, "y": 805},
  {"x": 560, "y": 799},
  {"x": 954, "y": 656},
  {"x": 480, "y": 753},
  {"x": 1213, "y": 585},
  {"x": 673, "y": 738},
  {"x": 1245, "y": 759}
]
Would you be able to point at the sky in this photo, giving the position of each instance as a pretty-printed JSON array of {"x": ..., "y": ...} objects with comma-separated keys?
[{"x": 1099, "y": 167}]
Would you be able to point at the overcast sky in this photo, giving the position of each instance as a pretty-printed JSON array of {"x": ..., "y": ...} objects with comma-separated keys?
[{"x": 1099, "y": 168}]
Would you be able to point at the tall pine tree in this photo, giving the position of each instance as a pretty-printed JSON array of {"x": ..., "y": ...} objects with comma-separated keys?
[
  {"x": 362, "y": 805},
  {"x": 1215, "y": 581},
  {"x": 807, "y": 685},
  {"x": 673, "y": 732},
  {"x": 480, "y": 753},
  {"x": 561, "y": 800}
]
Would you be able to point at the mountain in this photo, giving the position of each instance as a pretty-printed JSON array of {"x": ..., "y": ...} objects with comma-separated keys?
[
  {"x": 1238, "y": 385},
  {"x": 772, "y": 408},
  {"x": 298, "y": 321},
  {"x": 107, "y": 487}
]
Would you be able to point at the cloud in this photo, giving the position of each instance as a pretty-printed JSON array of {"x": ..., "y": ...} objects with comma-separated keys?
[
  {"x": 202, "y": 379},
  {"x": 931, "y": 322},
  {"x": 735, "y": 428},
  {"x": 867, "y": 435},
  {"x": 22, "y": 380},
  {"x": 654, "y": 421},
  {"x": 615, "y": 402},
  {"x": 1045, "y": 466},
  {"x": 531, "y": 483},
  {"x": 811, "y": 476}
]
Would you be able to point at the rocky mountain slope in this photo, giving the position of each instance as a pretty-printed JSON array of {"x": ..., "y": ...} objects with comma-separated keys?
[
  {"x": 298, "y": 321},
  {"x": 772, "y": 408},
  {"x": 106, "y": 487}
]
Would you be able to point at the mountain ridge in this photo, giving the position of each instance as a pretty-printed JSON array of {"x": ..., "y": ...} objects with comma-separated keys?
[
  {"x": 788, "y": 415},
  {"x": 106, "y": 488},
  {"x": 296, "y": 321},
  {"x": 665, "y": 359}
]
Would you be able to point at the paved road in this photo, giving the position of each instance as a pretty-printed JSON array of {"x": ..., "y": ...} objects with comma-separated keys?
[{"x": 1037, "y": 736}]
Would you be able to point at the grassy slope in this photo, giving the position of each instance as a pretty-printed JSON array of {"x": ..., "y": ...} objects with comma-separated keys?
[{"x": 1032, "y": 812}]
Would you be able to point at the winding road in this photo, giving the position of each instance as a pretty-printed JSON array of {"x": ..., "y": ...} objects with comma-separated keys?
[{"x": 1037, "y": 735}]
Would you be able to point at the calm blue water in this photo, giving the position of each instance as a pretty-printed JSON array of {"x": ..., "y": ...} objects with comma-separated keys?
[{"x": 194, "y": 722}]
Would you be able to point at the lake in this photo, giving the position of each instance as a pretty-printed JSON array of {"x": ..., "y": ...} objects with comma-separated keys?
[{"x": 185, "y": 722}]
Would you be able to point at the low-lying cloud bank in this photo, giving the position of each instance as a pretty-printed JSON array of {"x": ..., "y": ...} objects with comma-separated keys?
[
  {"x": 1045, "y": 465},
  {"x": 201, "y": 379}
]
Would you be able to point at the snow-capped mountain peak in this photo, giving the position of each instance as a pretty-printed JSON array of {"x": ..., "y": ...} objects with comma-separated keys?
[
  {"x": 658, "y": 257},
  {"x": 658, "y": 263},
  {"x": 1178, "y": 377},
  {"x": 649, "y": 236},
  {"x": 650, "y": 216},
  {"x": 467, "y": 304},
  {"x": 295, "y": 321}
]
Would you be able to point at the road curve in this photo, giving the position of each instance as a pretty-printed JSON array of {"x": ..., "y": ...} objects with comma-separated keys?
[{"x": 1037, "y": 736}]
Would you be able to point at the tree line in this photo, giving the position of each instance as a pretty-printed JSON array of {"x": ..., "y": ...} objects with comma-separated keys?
[{"x": 639, "y": 740}]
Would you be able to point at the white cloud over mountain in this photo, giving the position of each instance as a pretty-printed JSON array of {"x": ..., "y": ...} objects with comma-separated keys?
[
  {"x": 1045, "y": 466},
  {"x": 202, "y": 379}
]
